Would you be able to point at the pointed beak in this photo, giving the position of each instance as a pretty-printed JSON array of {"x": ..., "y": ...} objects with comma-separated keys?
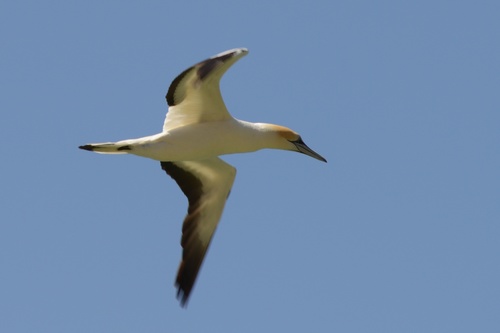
[{"x": 304, "y": 149}]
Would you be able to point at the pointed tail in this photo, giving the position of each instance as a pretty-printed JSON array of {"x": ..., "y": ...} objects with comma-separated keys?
[{"x": 107, "y": 148}]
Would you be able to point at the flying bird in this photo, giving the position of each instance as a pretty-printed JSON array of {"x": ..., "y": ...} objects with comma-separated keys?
[{"x": 197, "y": 130}]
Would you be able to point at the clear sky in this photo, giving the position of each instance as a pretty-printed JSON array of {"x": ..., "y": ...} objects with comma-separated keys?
[{"x": 398, "y": 232}]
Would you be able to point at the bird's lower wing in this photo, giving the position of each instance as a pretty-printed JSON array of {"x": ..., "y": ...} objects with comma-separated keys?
[{"x": 206, "y": 184}]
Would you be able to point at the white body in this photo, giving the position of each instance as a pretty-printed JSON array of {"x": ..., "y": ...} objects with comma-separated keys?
[{"x": 201, "y": 141}]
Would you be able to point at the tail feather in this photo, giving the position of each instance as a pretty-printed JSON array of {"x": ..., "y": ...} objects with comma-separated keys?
[{"x": 107, "y": 148}]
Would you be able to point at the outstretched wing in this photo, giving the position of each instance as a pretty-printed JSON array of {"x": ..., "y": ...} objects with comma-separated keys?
[
  {"x": 194, "y": 96},
  {"x": 206, "y": 184}
]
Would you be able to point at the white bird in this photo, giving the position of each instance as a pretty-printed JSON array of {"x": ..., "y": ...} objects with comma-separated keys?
[{"x": 197, "y": 129}]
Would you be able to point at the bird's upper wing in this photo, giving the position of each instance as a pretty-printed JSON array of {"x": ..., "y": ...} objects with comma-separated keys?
[
  {"x": 194, "y": 96},
  {"x": 206, "y": 184}
]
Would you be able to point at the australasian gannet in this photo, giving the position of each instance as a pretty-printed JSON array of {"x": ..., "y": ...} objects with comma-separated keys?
[{"x": 197, "y": 129}]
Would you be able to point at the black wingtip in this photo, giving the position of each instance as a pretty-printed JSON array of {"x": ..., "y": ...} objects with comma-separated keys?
[
  {"x": 87, "y": 147},
  {"x": 183, "y": 298}
]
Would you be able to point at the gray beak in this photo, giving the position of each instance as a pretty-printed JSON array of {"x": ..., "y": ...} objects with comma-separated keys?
[{"x": 304, "y": 149}]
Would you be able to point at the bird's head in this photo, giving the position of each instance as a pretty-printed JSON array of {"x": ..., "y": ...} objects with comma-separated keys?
[{"x": 287, "y": 139}]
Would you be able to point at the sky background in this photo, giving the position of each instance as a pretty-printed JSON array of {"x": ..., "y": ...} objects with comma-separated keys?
[{"x": 398, "y": 232}]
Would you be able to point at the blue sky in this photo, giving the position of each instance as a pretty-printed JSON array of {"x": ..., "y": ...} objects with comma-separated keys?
[{"x": 399, "y": 232}]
